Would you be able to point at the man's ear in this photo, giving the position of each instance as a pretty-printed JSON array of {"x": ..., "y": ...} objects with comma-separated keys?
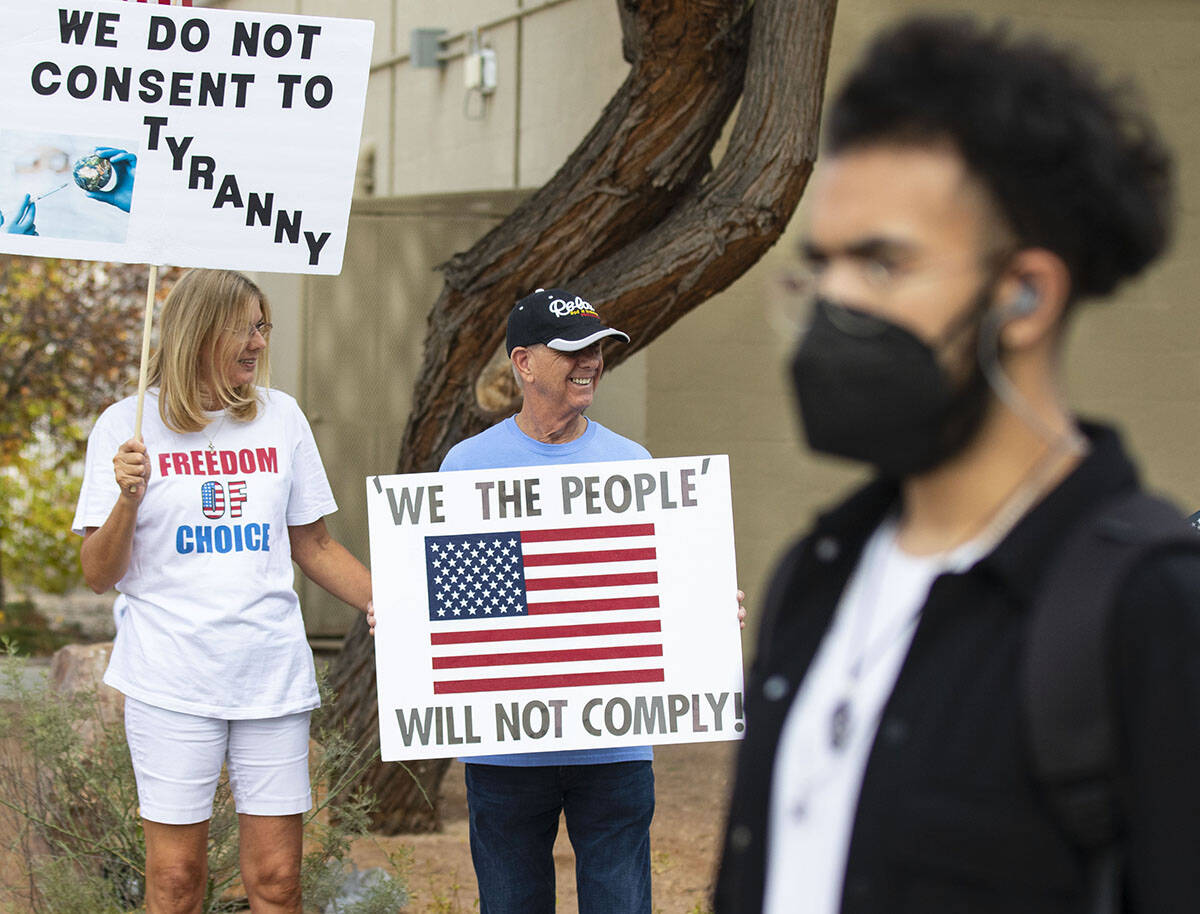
[
  {"x": 520, "y": 357},
  {"x": 1033, "y": 299}
]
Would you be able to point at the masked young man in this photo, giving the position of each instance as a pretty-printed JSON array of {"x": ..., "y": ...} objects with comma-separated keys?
[{"x": 975, "y": 187}]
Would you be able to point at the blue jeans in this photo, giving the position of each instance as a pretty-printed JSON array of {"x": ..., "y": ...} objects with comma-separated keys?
[{"x": 514, "y": 820}]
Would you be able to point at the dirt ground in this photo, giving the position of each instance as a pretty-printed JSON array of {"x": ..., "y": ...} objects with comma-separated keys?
[{"x": 691, "y": 787}]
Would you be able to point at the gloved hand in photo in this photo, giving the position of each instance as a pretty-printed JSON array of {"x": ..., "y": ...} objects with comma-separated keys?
[
  {"x": 22, "y": 224},
  {"x": 124, "y": 163}
]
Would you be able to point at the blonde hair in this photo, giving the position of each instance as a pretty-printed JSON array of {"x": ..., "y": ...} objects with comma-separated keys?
[{"x": 201, "y": 330}]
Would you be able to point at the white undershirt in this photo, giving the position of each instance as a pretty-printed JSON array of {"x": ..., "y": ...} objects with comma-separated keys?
[{"x": 814, "y": 796}]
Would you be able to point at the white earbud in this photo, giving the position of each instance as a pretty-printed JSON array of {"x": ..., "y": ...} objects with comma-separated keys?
[{"x": 1024, "y": 304}]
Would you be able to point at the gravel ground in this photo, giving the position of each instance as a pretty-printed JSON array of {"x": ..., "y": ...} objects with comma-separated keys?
[{"x": 33, "y": 672}]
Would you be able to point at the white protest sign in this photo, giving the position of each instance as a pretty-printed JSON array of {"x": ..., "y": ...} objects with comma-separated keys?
[
  {"x": 226, "y": 139},
  {"x": 555, "y": 607}
]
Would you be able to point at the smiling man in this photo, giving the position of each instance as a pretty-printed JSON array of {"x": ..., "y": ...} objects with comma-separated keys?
[
  {"x": 975, "y": 188},
  {"x": 607, "y": 795}
]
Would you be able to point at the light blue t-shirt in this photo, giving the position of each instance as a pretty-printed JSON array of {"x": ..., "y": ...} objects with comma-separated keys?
[{"x": 505, "y": 445}]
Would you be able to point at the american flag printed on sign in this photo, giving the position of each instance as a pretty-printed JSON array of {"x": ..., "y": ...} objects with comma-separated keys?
[
  {"x": 544, "y": 608},
  {"x": 212, "y": 500}
]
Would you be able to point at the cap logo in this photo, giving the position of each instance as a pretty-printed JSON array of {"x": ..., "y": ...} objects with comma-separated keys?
[{"x": 560, "y": 307}]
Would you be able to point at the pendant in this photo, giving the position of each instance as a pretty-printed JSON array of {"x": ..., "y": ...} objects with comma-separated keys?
[
  {"x": 800, "y": 808},
  {"x": 839, "y": 724},
  {"x": 211, "y": 447}
]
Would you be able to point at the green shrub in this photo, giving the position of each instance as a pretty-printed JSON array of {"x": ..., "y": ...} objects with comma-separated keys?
[
  {"x": 69, "y": 804},
  {"x": 29, "y": 630}
]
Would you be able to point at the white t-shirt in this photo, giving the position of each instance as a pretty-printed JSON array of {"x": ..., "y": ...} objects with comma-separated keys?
[
  {"x": 814, "y": 796},
  {"x": 208, "y": 621}
]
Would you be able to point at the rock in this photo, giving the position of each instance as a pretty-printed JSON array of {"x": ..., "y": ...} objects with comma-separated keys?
[
  {"x": 361, "y": 885},
  {"x": 80, "y": 668}
]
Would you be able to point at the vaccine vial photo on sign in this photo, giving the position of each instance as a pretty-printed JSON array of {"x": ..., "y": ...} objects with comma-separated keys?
[{"x": 80, "y": 187}]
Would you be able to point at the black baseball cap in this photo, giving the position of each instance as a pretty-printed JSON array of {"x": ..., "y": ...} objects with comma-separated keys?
[{"x": 557, "y": 318}]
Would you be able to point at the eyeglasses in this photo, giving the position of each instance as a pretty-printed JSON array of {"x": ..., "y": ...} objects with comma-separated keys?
[
  {"x": 262, "y": 327},
  {"x": 876, "y": 274},
  {"x": 880, "y": 265}
]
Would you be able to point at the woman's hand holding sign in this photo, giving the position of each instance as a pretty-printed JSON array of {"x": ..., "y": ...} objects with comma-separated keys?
[{"x": 131, "y": 466}]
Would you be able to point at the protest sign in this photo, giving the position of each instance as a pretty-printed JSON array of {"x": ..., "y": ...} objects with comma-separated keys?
[
  {"x": 555, "y": 607},
  {"x": 197, "y": 137}
]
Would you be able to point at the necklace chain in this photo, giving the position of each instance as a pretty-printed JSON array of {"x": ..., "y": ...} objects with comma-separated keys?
[
  {"x": 863, "y": 660},
  {"x": 1031, "y": 487},
  {"x": 841, "y": 720},
  {"x": 211, "y": 444}
]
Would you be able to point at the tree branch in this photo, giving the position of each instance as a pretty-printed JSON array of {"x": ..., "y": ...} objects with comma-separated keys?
[{"x": 637, "y": 221}]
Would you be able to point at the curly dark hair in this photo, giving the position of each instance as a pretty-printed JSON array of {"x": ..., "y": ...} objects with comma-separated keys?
[{"x": 1073, "y": 164}]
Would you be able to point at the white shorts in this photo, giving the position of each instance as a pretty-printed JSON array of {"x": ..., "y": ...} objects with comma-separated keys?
[{"x": 177, "y": 761}]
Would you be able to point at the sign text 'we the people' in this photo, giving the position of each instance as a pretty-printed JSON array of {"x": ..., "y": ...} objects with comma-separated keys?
[{"x": 615, "y": 493}]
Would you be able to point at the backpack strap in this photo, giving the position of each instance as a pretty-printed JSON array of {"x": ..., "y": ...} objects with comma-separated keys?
[{"x": 1068, "y": 702}]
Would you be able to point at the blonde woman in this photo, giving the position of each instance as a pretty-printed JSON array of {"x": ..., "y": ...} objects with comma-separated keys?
[{"x": 197, "y": 525}]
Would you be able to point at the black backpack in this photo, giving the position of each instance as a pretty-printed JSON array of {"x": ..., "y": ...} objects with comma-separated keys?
[{"x": 1069, "y": 712}]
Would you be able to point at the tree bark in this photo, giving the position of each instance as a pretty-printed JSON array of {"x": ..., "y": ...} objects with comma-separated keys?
[{"x": 638, "y": 222}]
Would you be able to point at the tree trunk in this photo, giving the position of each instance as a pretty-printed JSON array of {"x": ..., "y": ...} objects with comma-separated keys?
[{"x": 638, "y": 222}]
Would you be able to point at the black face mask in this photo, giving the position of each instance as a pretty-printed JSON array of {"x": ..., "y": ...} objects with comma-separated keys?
[{"x": 870, "y": 390}]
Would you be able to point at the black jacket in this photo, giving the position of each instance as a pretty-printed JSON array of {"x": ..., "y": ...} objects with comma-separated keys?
[{"x": 949, "y": 818}]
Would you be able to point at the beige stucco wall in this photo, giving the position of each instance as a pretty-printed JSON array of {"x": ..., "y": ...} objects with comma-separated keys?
[
  {"x": 1135, "y": 359},
  {"x": 558, "y": 63},
  {"x": 714, "y": 383}
]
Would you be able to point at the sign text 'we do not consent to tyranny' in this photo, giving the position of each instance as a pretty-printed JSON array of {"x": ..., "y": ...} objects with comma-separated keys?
[{"x": 205, "y": 137}]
